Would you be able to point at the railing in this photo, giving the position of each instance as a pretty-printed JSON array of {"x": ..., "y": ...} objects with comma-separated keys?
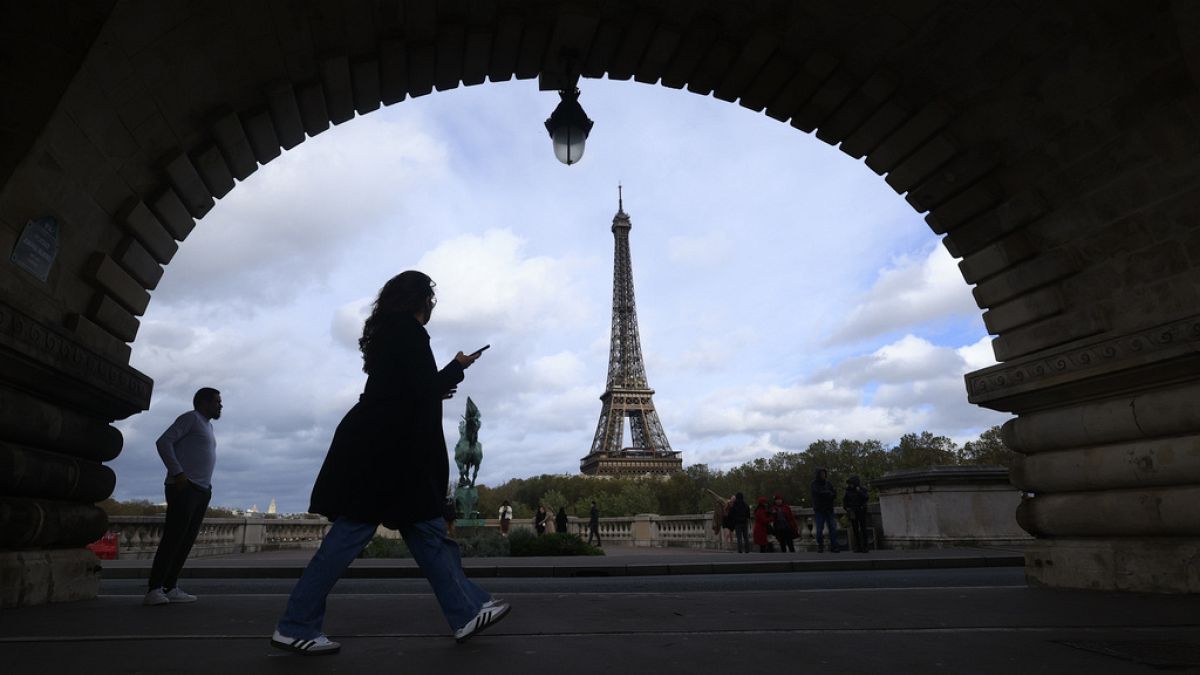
[{"x": 138, "y": 536}]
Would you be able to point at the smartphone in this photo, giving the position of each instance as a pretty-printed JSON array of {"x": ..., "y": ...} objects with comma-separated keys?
[{"x": 479, "y": 351}]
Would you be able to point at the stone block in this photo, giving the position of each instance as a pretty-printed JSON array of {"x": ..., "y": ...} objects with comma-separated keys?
[
  {"x": 973, "y": 219},
  {"x": 1133, "y": 564},
  {"x": 260, "y": 134},
  {"x": 339, "y": 93},
  {"x": 189, "y": 186},
  {"x": 856, "y": 109},
  {"x": 108, "y": 275},
  {"x": 285, "y": 115},
  {"x": 29, "y": 578},
  {"x": 1023, "y": 310},
  {"x": 754, "y": 55},
  {"x": 920, "y": 164},
  {"x": 833, "y": 91},
  {"x": 889, "y": 116},
  {"x": 310, "y": 100},
  {"x": 658, "y": 54},
  {"x": 448, "y": 55},
  {"x": 628, "y": 54},
  {"x": 713, "y": 67},
  {"x": 530, "y": 54},
  {"x": 693, "y": 45},
  {"x": 112, "y": 317},
  {"x": 141, "y": 223},
  {"x": 172, "y": 214},
  {"x": 908, "y": 137},
  {"x": 947, "y": 182},
  {"x": 476, "y": 51},
  {"x": 817, "y": 67},
  {"x": 1146, "y": 511},
  {"x": 777, "y": 72},
  {"x": 1046, "y": 334},
  {"x": 422, "y": 65},
  {"x": 364, "y": 76},
  {"x": 1141, "y": 463},
  {"x": 28, "y": 420},
  {"x": 949, "y": 506},
  {"x": 213, "y": 170},
  {"x": 231, "y": 139},
  {"x": 506, "y": 44},
  {"x": 393, "y": 71},
  {"x": 1019, "y": 279},
  {"x": 29, "y": 472},
  {"x": 996, "y": 257}
]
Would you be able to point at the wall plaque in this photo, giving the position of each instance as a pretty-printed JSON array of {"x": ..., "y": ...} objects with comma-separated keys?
[{"x": 38, "y": 246}]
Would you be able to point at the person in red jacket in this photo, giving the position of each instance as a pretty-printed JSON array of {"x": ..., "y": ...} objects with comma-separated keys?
[
  {"x": 784, "y": 522},
  {"x": 762, "y": 521}
]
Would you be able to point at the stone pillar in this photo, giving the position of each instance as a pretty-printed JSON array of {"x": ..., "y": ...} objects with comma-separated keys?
[
  {"x": 57, "y": 400},
  {"x": 949, "y": 506},
  {"x": 1109, "y": 433},
  {"x": 644, "y": 530}
]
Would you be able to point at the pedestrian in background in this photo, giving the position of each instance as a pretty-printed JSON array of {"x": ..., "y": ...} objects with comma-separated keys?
[
  {"x": 784, "y": 523},
  {"x": 739, "y": 519},
  {"x": 824, "y": 495},
  {"x": 505, "y": 518},
  {"x": 594, "y": 523},
  {"x": 539, "y": 520},
  {"x": 188, "y": 449},
  {"x": 762, "y": 525},
  {"x": 560, "y": 520},
  {"x": 855, "y": 502}
]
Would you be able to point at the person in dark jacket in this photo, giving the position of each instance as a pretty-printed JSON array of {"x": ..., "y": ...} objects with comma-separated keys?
[
  {"x": 388, "y": 465},
  {"x": 762, "y": 525},
  {"x": 783, "y": 522},
  {"x": 594, "y": 523},
  {"x": 560, "y": 520},
  {"x": 855, "y": 502},
  {"x": 540, "y": 519},
  {"x": 739, "y": 518},
  {"x": 824, "y": 495}
]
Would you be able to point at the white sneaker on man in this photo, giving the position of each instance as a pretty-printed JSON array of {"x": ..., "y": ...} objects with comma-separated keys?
[
  {"x": 155, "y": 596},
  {"x": 491, "y": 613},
  {"x": 177, "y": 594},
  {"x": 315, "y": 647}
]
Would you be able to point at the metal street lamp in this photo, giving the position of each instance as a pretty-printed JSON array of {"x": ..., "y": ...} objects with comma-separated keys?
[{"x": 569, "y": 127}]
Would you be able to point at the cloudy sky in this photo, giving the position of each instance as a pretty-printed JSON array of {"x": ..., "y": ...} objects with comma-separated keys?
[{"x": 784, "y": 292}]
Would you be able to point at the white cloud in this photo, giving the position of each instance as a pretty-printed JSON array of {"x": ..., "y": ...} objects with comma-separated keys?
[{"x": 913, "y": 291}]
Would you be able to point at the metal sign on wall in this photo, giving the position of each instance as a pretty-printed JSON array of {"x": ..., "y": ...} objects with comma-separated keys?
[{"x": 38, "y": 246}]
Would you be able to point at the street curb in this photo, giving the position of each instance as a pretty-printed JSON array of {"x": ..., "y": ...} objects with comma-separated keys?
[{"x": 595, "y": 570}]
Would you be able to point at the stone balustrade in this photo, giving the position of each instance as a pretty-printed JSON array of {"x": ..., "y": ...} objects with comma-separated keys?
[{"x": 139, "y": 535}]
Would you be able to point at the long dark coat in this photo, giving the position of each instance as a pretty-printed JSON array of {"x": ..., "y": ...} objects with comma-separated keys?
[{"x": 387, "y": 462}]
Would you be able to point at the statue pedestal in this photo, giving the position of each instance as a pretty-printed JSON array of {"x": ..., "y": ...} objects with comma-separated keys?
[{"x": 465, "y": 527}]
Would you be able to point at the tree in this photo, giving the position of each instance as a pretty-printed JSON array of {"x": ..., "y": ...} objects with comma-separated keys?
[
  {"x": 989, "y": 449},
  {"x": 917, "y": 451}
]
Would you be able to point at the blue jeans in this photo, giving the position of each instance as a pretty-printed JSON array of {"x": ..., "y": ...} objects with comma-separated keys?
[
  {"x": 822, "y": 518},
  {"x": 435, "y": 552}
]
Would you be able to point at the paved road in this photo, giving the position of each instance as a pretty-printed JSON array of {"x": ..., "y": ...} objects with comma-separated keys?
[
  {"x": 954, "y": 621},
  {"x": 865, "y": 579}
]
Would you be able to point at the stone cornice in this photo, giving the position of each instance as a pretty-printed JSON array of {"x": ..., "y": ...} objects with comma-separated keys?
[
  {"x": 1092, "y": 368},
  {"x": 47, "y": 361}
]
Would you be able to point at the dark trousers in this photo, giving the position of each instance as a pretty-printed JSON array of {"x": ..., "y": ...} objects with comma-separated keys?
[
  {"x": 185, "y": 513},
  {"x": 858, "y": 531},
  {"x": 594, "y": 531},
  {"x": 786, "y": 544},
  {"x": 743, "y": 538},
  {"x": 823, "y": 519}
]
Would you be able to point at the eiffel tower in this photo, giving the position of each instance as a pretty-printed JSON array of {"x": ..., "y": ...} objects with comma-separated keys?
[{"x": 627, "y": 395}]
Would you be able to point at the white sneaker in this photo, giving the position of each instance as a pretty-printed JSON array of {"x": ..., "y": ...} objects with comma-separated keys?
[
  {"x": 315, "y": 647},
  {"x": 491, "y": 613},
  {"x": 155, "y": 596},
  {"x": 177, "y": 594}
]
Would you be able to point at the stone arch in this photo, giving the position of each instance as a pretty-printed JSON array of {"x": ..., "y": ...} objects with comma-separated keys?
[{"x": 1052, "y": 148}]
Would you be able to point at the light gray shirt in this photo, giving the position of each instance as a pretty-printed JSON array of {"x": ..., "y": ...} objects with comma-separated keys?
[{"x": 189, "y": 446}]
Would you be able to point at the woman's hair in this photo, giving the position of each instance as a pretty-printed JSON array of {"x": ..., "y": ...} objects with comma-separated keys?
[{"x": 405, "y": 293}]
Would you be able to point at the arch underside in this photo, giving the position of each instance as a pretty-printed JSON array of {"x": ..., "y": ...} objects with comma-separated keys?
[{"x": 1052, "y": 146}]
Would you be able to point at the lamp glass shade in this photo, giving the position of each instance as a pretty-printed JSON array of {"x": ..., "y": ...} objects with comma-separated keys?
[{"x": 568, "y": 143}]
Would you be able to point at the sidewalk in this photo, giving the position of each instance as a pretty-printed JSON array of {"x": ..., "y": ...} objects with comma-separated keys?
[{"x": 617, "y": 561}]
